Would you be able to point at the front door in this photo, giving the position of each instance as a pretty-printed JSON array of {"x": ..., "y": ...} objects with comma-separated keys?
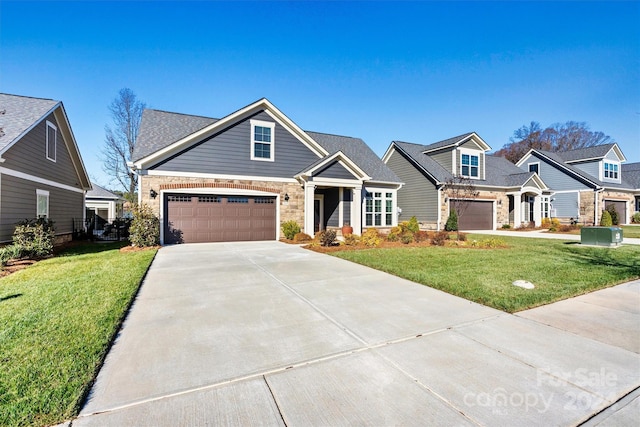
[{"x": 318, "y": 213}]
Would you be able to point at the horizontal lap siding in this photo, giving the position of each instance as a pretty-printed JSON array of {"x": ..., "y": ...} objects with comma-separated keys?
[
  {"x": 335, "y": 170},
  {"x": 556, "y": 179},
  {"x": 18, "y": 202},
  {"x": 565, "y": 204},
  {"x": 444, "y": 158},
  {"x": 592, "y": 168},
  {"x": 29, "y": 155},
  {"x": 229, "y": 152},
  {"x": 418, "y": 197}
]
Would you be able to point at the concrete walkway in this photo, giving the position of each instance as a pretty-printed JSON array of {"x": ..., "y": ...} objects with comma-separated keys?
[
  {"x": 543, "y": 234},
  {"x": 265, "y": 333}
]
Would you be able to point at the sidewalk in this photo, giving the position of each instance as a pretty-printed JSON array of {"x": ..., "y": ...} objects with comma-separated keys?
[{"x": 544, "y": 234}]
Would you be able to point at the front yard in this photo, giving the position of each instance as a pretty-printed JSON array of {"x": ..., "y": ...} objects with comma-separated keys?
[
  {"x": 558, "y": 269},
  {"x": 57, "y": 319}
]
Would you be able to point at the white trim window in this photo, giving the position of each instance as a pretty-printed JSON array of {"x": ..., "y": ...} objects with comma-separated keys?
[
  {"x": 534, "y": 167},
  {"x": 262, "y": 140},
  {"x": 545, "y": 204},
  {"x": 51, "y": 141},
  {"x": 611, "y": 171},
  {"x": 378, "y": 209},
  {"x": 42, "y": 204},
  {"x": 469, "y": 165}
]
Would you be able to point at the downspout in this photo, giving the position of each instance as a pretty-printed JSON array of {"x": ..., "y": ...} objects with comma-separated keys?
[{"x": 439, "y": 211}]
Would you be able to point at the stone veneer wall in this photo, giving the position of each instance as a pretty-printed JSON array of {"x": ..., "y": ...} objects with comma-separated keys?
[
  {"x": 291, "y": 210},
  {"x": 587, "y": 208},
  {"x": 502, "y": 207}
]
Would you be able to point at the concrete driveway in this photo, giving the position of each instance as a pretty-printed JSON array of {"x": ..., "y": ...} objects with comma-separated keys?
[{"x": 265, "y": 333}]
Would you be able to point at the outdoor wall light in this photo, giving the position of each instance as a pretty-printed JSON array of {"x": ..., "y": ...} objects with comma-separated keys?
[
  {"x": 286, "y": 197},
  {"x": 152, "y": 193}
]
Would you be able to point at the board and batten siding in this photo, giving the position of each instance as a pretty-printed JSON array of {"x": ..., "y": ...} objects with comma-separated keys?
[
  {"x": 555, "y": 179},
  {"x": 418, "y": 197},
  {"x": 18, "y": 202},
  {"x": 335, "y": 170},
  {"x": 445, "y": 158},
  {"x": 229, "y": 153},
  {"x": 566, "y": 205},
  {"x": 29, "y": 155}
]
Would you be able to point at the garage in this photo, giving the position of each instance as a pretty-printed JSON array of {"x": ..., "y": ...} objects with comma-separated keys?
[
  {"x": 474, "y": 215},
  {"x": 621, "y": 209},
  {"x": 200, "y": 218}
]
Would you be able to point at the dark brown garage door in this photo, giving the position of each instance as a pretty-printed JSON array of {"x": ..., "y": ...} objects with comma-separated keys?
[
  {"x": 620, "y": 209},
  {"x": 474, "y": 215},
  {"x": 195, "y": 218}
]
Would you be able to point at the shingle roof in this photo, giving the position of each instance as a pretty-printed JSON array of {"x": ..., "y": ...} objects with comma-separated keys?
[
  {"x": 499, "y": 172},
  {"x": 159, "y": 129},
  {"x": 631, "y": 174},
  {"x": 98, "y": 192},
  {"x": 19, "y": 113},
  {"x": 359, "y": 152},
  {"x": 446, "y": 142},
  {"x": 596, "y": 152}
]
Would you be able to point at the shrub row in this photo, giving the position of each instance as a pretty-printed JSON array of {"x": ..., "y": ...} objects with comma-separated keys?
[{"x": 32, "y": 238}]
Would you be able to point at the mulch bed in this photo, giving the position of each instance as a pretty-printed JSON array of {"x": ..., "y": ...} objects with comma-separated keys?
[{"x": 16, "y": 265}]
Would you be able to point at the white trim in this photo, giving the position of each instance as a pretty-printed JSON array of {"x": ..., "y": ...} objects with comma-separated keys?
[
  {"x": 340, "y": 206},
  {"x": 344, "y": 161},
  {"x": 383, "y": 207},
  {"x": 335, "y": 181},
  {"x": 387, "y": 154},
  {"x": 533, "y": 163},
  {"x": 272, "y": 143},
  {"x": 55, "y": 142},
  {"x": 470, "y": 153},
  {"x": 319, "y": 197},
  {"x": 44, "y": 193},
  {"x": 614, "y": 163},
  {"x": 39, "y": 180},
  {"x": 216, "y": 176}
]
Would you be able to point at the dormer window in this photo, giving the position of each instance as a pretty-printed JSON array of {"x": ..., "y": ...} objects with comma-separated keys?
[
  {"x": 262, "y": 140},
  {"x": 52, "y": 136},
  {"x": 611, "y": 171},
  {"x": 469, "y": 165}
]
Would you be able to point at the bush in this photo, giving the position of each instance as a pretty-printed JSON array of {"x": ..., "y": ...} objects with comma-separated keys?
[
  {"x": 545, "y": 223},
  {"x": 605, "y": 219},
  {"x": 440, "y": 238},
  {"x": 565, "y": 228},
  {"x": 290, "y": 229},
  {"x": 326, "y": 237},
  {"x": 421, "y": 236},
  {"x": 507, "y": 226},
  {"x": 412, "y": 225},
  {"x": 371, "y": 238},
  {"x": 452, "y": 221},
  {"x": 394, "y": 234},
  {"x": 8, "y": 253},
  {"x": 489, "y": 243},
  {"x": 636, "y": 218},
  {"x": 614, "y": 215},
  {"x": 145, "y": 227},
  {"x": 406, "y": 237},
  {"x": 301, "y": 237},
  {"x": 34, "y": 237},
  {"x": 351, "y": 239},
  {"x": 462, "y": 237}
]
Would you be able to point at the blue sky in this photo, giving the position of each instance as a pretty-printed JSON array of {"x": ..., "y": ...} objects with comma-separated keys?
[{"x": 381, "y": 71}]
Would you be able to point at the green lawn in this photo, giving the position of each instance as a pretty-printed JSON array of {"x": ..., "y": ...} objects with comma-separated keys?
[
  {"x": 57, "y": 319},
  {"x": 557, "y": 268},
  {"x": 631, "y": 231}
]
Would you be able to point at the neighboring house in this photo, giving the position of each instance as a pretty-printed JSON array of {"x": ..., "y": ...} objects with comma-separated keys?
[
  {"x": 239, "y": 177},
  {"x": 585, "y": 181},
  {"x": 104, "y": 205},
  {"x": 506, "y": 195},
  {"x": 41, "y": 170},
  {"x": 631, "y": 172}
]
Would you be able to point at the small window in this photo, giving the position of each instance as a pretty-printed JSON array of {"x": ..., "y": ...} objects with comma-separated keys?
[
  {"x": 264, "y": 200},
  {"x": 533, "y": 167},
  {"x": 42, "y": 204},
  {"x": 610, "y": 170},
  {"x": 469, "y": 165},
  {"x": 262, "y": 140},
  {"x": 52, "y": 136},
  {"x": 179, "y": 198},
  {"x": 209, "y": 199},
  {"x": 238, "y": 200}
]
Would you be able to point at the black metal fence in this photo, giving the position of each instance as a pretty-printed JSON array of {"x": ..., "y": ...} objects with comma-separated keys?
[{"x": 95, "y": 227}]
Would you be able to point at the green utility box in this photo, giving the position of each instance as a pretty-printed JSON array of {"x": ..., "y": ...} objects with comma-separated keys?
[{"x": 601, "y": 236}]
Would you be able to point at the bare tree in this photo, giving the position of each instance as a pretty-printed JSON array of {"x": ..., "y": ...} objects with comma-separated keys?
[
  {"x": 461, "y": 193},
  {"x": 120, "y": 140},
  {"x": 557, "y": 137}
]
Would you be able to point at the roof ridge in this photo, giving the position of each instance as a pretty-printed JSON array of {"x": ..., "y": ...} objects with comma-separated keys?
[
  {"x": 181, "y": 114},
  {"x": 333, "y": 134},
  {"x": 30, "y": 97}
]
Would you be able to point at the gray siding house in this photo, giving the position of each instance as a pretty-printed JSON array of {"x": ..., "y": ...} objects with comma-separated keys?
[
  {"x": 435, "y": 175},
  {"x": 239, "y": 177},
  {"x": 585, "y": 181},
  {"x": 41, "y": 170}
]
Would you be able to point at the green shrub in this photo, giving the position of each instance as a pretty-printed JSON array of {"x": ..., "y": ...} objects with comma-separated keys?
[
  {"x": 440, "y": 238},
  {"x": 406, "y": 237},
  {"x": 8, "y": 253},
  {"x": 605, "y": 219},
  {"x": 614, "y": 214},
  {"x": 492, "y": 243},
  {"x": 326, "y": 237},
  {"x": 301, "y": 237},
  {"x": 371, "y": 238},
  {"x": 462, "y": 237},
  {"x": 34, "y": 237},
  {"x": 351, "y": 239},
  {"x": 636, "y": 218},
  {"x": 507, "y": 226},
  {"x": 452, "y": 221},
  {"x": 145, "y": 227},
  {"x": 290, "y": 229},
  {"x": 394, "y": 234},
  {"x": 412, "y": 225}
]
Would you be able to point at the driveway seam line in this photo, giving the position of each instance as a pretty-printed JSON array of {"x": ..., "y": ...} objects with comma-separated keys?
[{"x": 274, "y": 400}]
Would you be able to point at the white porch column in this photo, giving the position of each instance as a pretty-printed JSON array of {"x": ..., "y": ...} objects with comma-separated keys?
[
  {"x": 356, "y": 210},
  {"x": 309, "y": 192},
  {"x": 517, "y": 210},
  {"x": 537, "y": 211}
]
